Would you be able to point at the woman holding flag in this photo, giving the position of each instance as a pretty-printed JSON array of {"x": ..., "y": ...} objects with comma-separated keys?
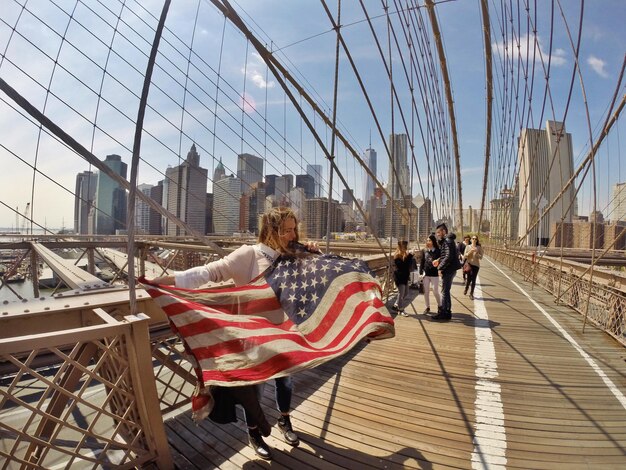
[
  {"x": 292, "y": 309},
  {"x": 278, "y": 234}
]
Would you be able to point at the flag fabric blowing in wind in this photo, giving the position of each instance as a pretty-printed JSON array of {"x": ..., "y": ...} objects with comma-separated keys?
[{"x": 301, "y": 312}]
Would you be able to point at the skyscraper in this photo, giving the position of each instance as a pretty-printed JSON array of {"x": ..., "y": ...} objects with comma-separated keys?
[
  {"x": 187, "y": 193},
  {"x": 249, "y": 171},
  {"x": 369, "y": 158},
  {"x": 316, "y": 172},
  {"x": 155, "y": 226},
  {"x": 347, "y": 196},
  {"x": 401, "y": 180},
  {"x": 270, "y": 184},
  {"x": 297, "y": 202},
  {"x": 251, "y": 207},
  {"x": 317, "y": 217},
  {"x": 536, "y": 151},
  {"x": 85, "y": 194},
  {"x": 504, "y": 216},
  {"x": 307, "y": 183},
  {"x": 142, "y": 210},
  {"x": 209, "y": 214},
  {"x": 111, "y": 199},
  {"x": 219, "y": 172},
  {"x": 618, "y": 204},
  {"x": 226, "y": 205},
  {"x": 424, "y": 218},
  {"x": 284, "y": 184}
]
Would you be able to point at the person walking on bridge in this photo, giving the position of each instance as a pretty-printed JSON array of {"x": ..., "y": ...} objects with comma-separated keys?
[
  {"x": 460, "y": 248},
  {"x": 279, "y": 232},
  {"x": 447, "y": 265},
  {"x": 472, "y": 256},
  {"x": 403, "y": 261},
  {"x": 429, "y": 271}
]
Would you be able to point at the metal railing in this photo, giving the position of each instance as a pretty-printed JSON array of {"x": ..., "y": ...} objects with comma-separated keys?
[
  {"x": 84, "y": 383},
  {"x": 82, "y": 396},
  {"x": 603, "y": 302}
]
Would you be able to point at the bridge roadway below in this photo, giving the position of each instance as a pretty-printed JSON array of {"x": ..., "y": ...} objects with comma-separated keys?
[{"x": 509, "y": 382}]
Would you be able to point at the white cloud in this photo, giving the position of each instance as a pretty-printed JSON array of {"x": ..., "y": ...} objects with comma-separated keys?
[
  {"x": 259, "y": 81},
  {"x": 528, "y": 48},
  {"x": 256, "y": 72},
  {"x": 598, "y": 65},
  {"x": 470, "y": 170}
]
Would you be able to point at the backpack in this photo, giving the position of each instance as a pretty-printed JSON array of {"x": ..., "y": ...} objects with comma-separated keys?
[{"x": 456, "y": 262}]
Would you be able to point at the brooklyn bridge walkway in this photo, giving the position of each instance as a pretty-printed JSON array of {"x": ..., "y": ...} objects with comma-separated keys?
[{"x": 509, "y": 381}]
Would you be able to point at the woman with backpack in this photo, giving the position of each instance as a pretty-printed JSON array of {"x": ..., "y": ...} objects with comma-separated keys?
[{"x": 403, "y": 261}]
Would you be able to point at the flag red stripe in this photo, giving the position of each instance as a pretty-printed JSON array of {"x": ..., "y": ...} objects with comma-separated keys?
[
  {"x": 314, "y": 336},
  {"x": 283, "y": 361},
  {"x": 338, "y": 304},
  {"x": 236, "y": 346},
  {"x": 249, "y": 307},
  {"x": 209, "y": 290},
  {"x": 208, "y": 325},
  {"x": 243, "y": 304}
]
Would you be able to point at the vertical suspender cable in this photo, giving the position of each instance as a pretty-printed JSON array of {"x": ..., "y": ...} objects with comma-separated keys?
[
  {"x": 393, "y": 140},
  {"x": 450, "y": 101},
  {"x": 329, "y": 217},
  {"x": 489, "y": 74},
  {"x": 135, "y": 160}
]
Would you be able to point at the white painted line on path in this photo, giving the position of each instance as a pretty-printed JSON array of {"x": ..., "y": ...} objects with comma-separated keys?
[
  {"x": 490, "y": 435},
  {"x": 609, "y": 383}
]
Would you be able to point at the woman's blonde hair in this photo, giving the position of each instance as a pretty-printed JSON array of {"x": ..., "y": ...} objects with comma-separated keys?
[
  {"x": 402, "y": 250},
  {"x": 272, "y": 225}
]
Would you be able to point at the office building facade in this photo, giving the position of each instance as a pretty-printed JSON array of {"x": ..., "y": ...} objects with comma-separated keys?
[
  {"x": 545, "y": 165},
  {"x": 155, "y": 224},
  {"x": 315, "y": 171},
  {"x": 226, "y": 205},
  {"x": 618, "y": 203},
  {"x": 369, "y": 158},
  {"x": 84, "y": 198},
  {"x": 187, "y": 194},
  {"x": 142, "y": 210},
  {"x": 307, "y": 183},
  {"x": 249, "y": 171},
  {"x": 111, "y": 199},
  {"x": 399, "y": 182},
  {"x": 283, "y": 185}
]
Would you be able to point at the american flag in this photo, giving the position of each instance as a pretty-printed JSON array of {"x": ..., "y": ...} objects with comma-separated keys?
[{"x": 298, "y": 314}]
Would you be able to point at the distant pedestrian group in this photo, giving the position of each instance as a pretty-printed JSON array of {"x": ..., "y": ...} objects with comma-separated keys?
[{"x": 439, "y": 261}]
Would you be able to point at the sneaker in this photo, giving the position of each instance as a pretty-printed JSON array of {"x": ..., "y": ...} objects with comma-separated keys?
[
  {"x": 284, "y": 424},
  {"x": 465, "y": 292},
  {"x": 442, "y": 316},
  {"x": 258, "y": 444},
  {"x": 471, "y": 296},
  {"x": 403, "y": 313},
  {"x": 426, "y": 311},
  {"x": 394, "y": 307}
]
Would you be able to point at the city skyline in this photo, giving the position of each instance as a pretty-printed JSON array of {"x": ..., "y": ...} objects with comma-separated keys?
[
  {"x": 236, "y": 126},
  {"x": 230, "y": 209}
]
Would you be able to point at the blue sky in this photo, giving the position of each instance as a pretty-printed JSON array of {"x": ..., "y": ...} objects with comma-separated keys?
[{"x": 287, "y": 145}]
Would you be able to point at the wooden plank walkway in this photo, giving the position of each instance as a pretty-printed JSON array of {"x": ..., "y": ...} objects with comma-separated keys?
[{"x": 412, "y": 402}]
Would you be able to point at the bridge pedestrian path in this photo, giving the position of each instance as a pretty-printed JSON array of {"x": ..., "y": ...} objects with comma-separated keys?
[{"x": 510, "y": 382}]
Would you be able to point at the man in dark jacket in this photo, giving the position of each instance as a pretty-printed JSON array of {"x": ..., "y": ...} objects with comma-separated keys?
[{"x": 447, "y": 266}]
